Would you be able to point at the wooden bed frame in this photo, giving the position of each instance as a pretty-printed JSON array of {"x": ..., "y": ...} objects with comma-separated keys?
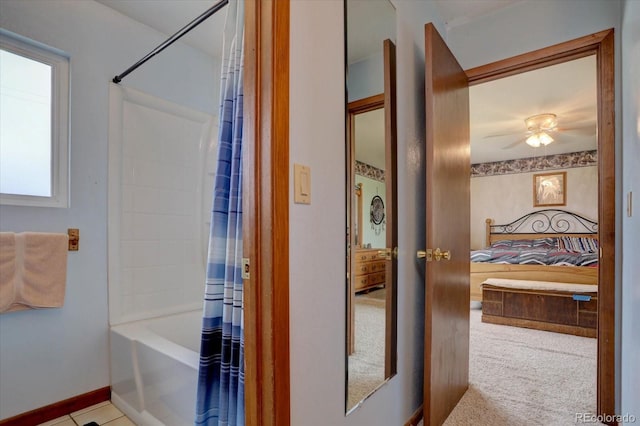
[{"x": 538, "y": 224}]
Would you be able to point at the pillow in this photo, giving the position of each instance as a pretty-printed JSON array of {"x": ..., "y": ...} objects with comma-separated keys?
[
  {"x": 522, "y": 243},
  {"x": 578, "y": 244},
  {"x": 548, "y": 243},
  {"x": 501, "y": 244}
]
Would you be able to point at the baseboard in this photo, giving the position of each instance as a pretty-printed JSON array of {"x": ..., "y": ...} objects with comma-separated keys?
[
  {"x": 415, "y": 418},
  {"x": 59, "y": 409}
]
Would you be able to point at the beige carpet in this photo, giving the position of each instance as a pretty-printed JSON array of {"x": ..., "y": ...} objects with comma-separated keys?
[
  {"x": 526, "y": 377},
  {"x": 378, "y": 295},
  {"x": 366, "y": 364}
]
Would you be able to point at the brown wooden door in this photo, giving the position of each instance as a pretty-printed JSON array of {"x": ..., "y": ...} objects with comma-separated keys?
[{"x": 446, "y": 359}]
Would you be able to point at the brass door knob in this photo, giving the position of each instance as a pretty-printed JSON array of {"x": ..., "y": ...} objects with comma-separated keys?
[
  {"x": 387, "y": 253},
  {"x": 438, "y": 254},
  {"x": 431, "y": 254}
]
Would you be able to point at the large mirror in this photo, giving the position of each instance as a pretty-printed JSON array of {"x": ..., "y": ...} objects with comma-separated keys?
[{"x": 371, "y": 198}]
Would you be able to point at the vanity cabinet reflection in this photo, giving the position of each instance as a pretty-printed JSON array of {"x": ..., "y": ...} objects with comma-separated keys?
[{"x": 368, "y": 270}]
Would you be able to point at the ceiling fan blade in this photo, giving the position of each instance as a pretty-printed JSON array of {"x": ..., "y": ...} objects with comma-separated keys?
[
  {"x": 579, "y": 130},
  {"x": 497, "y": 135},
  {"x": 514, "y": 144}
]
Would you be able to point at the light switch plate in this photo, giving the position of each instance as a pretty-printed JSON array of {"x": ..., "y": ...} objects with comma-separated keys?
[{"x": 302, "y": 184}]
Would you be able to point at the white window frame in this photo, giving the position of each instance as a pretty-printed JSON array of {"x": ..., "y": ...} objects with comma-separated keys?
[{"x": 59, "y": 120}]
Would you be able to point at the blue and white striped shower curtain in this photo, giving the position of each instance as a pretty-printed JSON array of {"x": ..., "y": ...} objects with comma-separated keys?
[{"x": 220, "y": 395}]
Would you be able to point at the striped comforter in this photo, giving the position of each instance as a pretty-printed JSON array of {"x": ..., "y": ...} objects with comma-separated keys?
[
  {"x": 563, "y": 251},
  {"x": 534, "y": 256}
]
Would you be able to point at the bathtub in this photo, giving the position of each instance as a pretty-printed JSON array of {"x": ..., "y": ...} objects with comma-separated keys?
[{"x": 154, "y": 368}]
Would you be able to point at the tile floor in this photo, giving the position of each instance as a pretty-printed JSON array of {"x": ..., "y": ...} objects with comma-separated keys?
[{"x": 104, "y": 413}]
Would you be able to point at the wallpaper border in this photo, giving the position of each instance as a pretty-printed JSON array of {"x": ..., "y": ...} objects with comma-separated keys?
[
  {"x": 536, "y": 164},
  {"x": 369, "y": 171}
]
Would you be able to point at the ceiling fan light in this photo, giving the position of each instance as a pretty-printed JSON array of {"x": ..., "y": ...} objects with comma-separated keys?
[
  {"x": 539, "y": 138},
  {"x": 533, "y": 141},
  {"x": 544, "y": 138}
]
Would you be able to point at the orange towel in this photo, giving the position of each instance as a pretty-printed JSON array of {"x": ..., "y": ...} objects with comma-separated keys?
[{"x": 39, "y": 273}]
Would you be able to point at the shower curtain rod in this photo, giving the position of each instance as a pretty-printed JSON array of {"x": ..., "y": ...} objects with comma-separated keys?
[{"x": 191, "y": 25}]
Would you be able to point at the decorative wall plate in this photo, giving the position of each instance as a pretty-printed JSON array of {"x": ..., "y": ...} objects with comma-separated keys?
[{"x": 377, "y": 210}]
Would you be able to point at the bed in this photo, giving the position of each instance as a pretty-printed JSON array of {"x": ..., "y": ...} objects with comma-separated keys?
[
  {"x": 546, "y": 225},
  {"x": 556, "y": 248}
]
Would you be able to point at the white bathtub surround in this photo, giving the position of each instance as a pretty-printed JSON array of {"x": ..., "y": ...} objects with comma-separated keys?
[
  {"x": 161, "y": 157},
  {"x": 161, "y": 163},
  {"x": 154, "y": 368}
]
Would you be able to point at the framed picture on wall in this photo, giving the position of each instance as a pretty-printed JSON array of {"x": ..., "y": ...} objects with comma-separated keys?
[{"x": 550, "y": 189}]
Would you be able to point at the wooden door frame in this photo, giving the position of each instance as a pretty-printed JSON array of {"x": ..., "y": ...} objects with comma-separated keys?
[
  {"x": 266, "y": 212},
  {"x": 602, "y": 45}
]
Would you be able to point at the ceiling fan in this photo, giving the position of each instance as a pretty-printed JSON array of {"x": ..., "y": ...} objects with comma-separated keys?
[{"x": 540, "y": 128}]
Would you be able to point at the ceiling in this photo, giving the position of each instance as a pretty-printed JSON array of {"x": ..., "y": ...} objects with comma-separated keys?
[
  {"x": 458, "y": 12},
  {"x": 378, "y": 18},
  {"x": 169, "y": 16},
  {"x": 369, "y": 23},
  {"x": 501, "y": 106},
  {"x": 369, "y": 142},
  {"x": 498, "y": 107}
]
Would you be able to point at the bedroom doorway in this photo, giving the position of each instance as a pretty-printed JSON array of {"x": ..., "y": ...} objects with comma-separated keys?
[{"x": 599, "y": 49}]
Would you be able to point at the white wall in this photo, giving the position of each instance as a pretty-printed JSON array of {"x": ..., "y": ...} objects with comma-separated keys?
[
  {"x": 504, "y": 198},
  {"x": 317, "y": 232},
  {"x": 317, "y": 251},
  {"x": 534, "y": 24},
  {"x": 50, "y": 355},
  {"x": 631, "y": 225},
  {"x": 366, "y": 78}
]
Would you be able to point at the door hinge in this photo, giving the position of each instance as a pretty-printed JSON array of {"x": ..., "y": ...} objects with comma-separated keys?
[{"x": 246, "y": 267}]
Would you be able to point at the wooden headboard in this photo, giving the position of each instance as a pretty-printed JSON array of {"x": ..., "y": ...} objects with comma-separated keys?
[{"x": 541, "y": 224}]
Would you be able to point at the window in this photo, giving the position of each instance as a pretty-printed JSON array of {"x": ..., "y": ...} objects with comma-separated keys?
[{"x": 34, "y": 124}]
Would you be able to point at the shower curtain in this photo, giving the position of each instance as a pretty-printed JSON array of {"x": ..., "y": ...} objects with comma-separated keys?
[{"x": 220, "y": 394}]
